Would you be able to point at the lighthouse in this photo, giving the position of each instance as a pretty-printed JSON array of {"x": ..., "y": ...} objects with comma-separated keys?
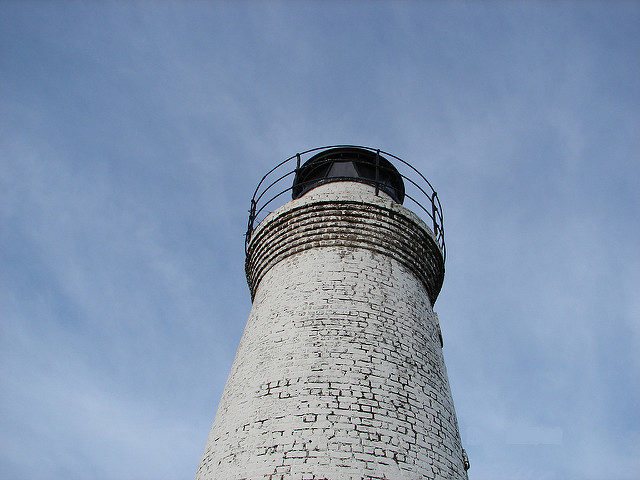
[{"x": 339, "y": 374}]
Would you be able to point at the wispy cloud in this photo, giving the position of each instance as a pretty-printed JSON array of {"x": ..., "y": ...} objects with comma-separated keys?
[{"x": 132, "y": 138}]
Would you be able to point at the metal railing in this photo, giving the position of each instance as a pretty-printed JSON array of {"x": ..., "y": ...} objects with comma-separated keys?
[{"x": 272, "y": 187}]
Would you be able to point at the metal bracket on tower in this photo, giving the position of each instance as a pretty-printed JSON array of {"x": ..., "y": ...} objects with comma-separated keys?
[
  {"x": 377, "y": 172},
  {"x": 465, "y": 459}
]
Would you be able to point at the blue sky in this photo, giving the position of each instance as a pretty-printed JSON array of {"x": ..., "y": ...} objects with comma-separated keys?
[{"x": 132, "y": 136}]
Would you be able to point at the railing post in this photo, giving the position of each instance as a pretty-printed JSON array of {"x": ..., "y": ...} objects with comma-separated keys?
[
  {"x": 377, "y": 172},
  {"x": 434, "y": 214},
  {"x": 297, "y": 164},
  {"x": 252, "y": 217}
]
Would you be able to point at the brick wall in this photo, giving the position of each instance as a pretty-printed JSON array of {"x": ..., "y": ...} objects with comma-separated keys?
[{"x": 339, "y": 374}]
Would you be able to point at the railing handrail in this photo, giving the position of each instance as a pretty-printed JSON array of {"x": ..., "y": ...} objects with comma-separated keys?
[{"x": 258, "y": 204}]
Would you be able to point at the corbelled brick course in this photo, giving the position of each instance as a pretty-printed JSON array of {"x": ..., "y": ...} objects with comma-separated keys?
[
  {"x": 348, "y": 219},
  {"x": 339, "y": 374}
]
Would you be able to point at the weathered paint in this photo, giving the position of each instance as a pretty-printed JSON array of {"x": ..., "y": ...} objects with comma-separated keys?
[{"x": 339, "y": 374}]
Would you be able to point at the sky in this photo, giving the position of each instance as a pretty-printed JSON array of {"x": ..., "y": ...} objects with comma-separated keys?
[{"x": 132, "y": 135}]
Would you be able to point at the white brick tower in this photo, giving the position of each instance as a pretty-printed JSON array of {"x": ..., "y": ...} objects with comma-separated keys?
[{"x": 339, "y": 374}]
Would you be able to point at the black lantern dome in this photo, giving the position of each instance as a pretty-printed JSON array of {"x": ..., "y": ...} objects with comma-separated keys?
[{"x": 349, "y": 164}]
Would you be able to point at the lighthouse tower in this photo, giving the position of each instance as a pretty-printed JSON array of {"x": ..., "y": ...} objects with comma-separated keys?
[{"x": 339, "y": 374}]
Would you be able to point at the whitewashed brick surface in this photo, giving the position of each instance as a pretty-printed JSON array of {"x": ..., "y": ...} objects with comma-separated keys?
[{"x": 339, "y": 374}]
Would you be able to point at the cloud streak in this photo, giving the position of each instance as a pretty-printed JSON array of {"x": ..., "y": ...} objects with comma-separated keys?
[{"x": 133, "y": 138}]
